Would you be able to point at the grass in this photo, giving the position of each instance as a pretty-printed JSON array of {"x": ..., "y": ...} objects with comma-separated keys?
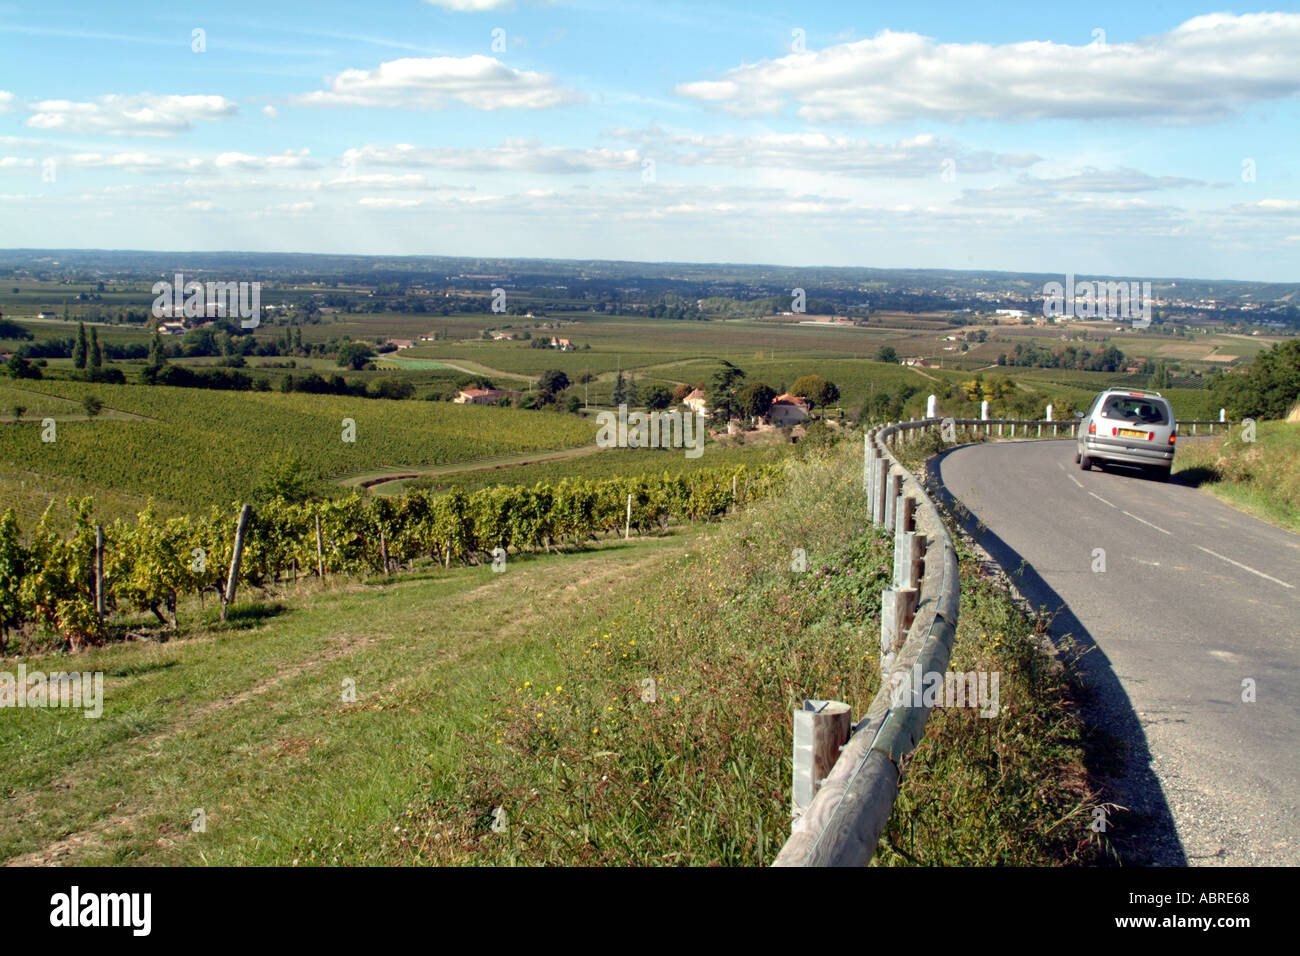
[
  {"x": 247, "y": 721},
  {"x": 587, "y": 769},
  {"x": 1260, "y": 477},
  {"x": 524, "y": 691}
]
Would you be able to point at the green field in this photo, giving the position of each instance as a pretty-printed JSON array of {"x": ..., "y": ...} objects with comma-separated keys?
[{"x": 204, "y": 447}]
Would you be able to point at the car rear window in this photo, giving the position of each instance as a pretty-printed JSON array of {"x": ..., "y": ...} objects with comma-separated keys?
[{"x": 1143, "y": 411}]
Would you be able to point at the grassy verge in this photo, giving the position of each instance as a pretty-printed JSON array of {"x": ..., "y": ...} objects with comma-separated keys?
[
  {"x": 580, "y": 765},
  {"x": 526, "y": 693},
  {"x": 1260, "y": 477},
  {"x": 247, "y": 721}
]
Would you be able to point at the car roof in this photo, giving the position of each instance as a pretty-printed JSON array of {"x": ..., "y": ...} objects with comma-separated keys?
[{"x": 1134, "y": 392}]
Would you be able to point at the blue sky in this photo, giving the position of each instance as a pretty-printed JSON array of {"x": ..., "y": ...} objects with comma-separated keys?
[{"x": 1147, "y": 140}]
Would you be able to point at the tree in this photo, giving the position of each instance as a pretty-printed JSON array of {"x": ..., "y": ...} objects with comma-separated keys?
[
  {"x": 631, "y": 395},
  {"x": 1267, "y": 389},
  {"x": 157, "y": 352},
  {"x": 79, "y": 353},
  {"x": 19, "y": 411},
  {"x": 574, "y": 405},
  {"x": 887, "y": 353},
  {"x": 722, "y": 390},
  {"x": 552, "y": 382},
  {"x": 656, "y": 397},
  {"x": 755, "y": 400},
  {"x": 96, "y": 353},
  {"x": 355, "y": 355},
  {"x": 12, "y": 330},
  {"x": 680, "y": 393},
  {"x": 620, "y": 389},
  {"x": 816, "y": 389},
  {"x": 20, "y": 367},
  {"x": 92, "y": 405}
]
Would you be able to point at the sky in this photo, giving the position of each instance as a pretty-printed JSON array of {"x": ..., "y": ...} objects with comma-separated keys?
[{"x": 1155, "y": 139}]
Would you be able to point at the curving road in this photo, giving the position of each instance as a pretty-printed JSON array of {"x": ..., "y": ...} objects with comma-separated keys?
[{"x": 1196, "y": 597}]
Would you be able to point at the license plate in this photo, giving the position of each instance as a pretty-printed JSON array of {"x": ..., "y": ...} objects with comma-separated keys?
[{"x": 1132, "y": 433}]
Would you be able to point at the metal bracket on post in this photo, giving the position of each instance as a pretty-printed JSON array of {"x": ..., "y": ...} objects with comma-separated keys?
[{"x": 821, "y": 729}]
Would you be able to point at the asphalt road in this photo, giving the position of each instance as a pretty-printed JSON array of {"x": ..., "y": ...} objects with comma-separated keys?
[{"x": 1196, "y": 597}]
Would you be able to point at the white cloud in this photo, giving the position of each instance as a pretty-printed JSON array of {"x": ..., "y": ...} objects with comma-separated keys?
[
  {"x": 289, "y": 159},
  {"x": 6, "y": 101},
  {"x": 270, "y": 112},
  {"x": 479, "y": 82},
  {"x": 1203, "y": 70},
  {"x": 386, "y": 202},
  {"x": 469, "y": 6},
  {"x": 143, "y": 114},
  {"x": 132, "y": 162},
  {"x": 1268, "y": 207},
  {"x": 915, "y": 156},
  {"x": 14, "y": 162},
  {"x": 514, "y": 156}
]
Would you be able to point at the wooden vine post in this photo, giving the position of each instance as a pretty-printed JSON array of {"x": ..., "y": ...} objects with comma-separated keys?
[
  {"x": 320, "y": 557},
  {"x": 232, "y": 581},
  {"x": 99, "y": 570}
]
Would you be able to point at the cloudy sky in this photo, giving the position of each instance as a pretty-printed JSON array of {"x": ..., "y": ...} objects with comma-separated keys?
[{"x": 1138, "y": 139}]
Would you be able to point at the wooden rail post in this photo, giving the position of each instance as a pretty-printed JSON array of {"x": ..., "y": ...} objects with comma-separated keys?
[
  {"x": 232, "y": 580},
  {"x": 897, "y": 609},
  {"x": 821, "y": 729},
  {"x": 320, "y": 552},
  {"x": 383, "y": 550},
  {"x": 627, "y": 526},
  {"x": 893, "y": 490},
  {"x": 99, "y": 570},
  {"x": 882, "y": 480},
  {"x": 873, "y": 480},
  {"x": 866, "y": 461}
]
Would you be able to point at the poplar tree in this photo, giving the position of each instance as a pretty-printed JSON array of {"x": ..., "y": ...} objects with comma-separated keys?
[{"x": 79, "y": 353}]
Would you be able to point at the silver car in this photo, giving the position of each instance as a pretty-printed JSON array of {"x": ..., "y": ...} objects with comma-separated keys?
[{"x": 1128, "y": 427}]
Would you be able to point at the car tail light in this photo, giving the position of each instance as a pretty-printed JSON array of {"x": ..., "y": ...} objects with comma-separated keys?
[
  {"x": 1114, "y": 430},
  {"x": 1092, "y": 428},
  {"x": 1171, "y": 438}
]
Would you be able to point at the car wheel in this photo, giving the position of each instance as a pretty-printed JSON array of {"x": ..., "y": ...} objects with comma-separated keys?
[
  {"x": 1085, "y": 463},
  {"x": 1077, "y": 456}
]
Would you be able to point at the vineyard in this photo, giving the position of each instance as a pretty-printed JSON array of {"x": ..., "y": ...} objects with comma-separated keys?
[
  {"x": 48, "y": 581},
  {"x": 201, "y": 448}
]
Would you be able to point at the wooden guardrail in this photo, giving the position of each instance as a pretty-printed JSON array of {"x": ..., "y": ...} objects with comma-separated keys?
[
  {"x": 846, "y": 775},
  {"x": 843, "y": 822}
]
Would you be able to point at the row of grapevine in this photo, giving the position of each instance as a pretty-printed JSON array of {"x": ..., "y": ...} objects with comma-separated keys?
[{"x": 48, "y": 581}]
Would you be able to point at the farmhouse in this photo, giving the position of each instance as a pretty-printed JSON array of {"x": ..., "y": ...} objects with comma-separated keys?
[
  {"x": 696, "y": 402},
  {"x": 401, "y": 343},
  {"x": 481, "y": 396},
  {"x": 171, "y": 328},
  {"x": 788, "y": 409}
]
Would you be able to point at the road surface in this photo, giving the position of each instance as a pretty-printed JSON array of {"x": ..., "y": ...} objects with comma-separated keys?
[{"x": 1197, "y": 602}]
